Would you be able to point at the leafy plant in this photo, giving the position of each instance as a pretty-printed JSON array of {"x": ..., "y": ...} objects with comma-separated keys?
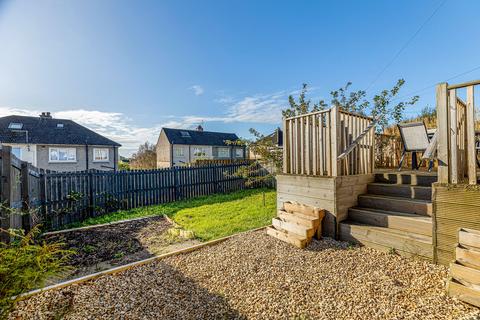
[{"x": 25, "y": 263}]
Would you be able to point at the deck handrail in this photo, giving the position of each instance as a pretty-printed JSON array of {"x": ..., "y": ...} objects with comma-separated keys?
[
  {"x": 352, "y": 146},
  {"x": 308, "y": 114}
]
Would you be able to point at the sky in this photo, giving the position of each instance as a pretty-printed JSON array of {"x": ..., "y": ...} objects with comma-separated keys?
[{"x": 128, "y": 68}]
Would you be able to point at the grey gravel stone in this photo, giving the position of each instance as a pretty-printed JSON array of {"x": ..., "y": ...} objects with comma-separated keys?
[{"x": 255, "y": 276}]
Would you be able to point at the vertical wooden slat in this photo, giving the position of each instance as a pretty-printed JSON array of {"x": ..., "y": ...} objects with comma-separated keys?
[
  {"x": 314, "y": 145},
  {"x": 286, "y": 146},
  {"x": 470, "y": 133},
  {"x": 453, "y": 136},
  {"x": 443, "y": 132},
  {"x": 335, "y": 140}
]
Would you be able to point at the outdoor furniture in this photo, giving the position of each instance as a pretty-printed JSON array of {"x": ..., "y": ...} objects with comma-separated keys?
[{"x": 415, "y": 139}]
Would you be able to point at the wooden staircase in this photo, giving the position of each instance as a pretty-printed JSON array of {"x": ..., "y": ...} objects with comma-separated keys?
[
  {"x": 395, "y": 215},
  {"x": 296, "y": 224}
]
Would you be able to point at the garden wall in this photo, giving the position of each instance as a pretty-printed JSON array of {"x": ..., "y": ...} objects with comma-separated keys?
[
  {"x": 455, "y": 207},
  {"x": 334, "y": 194}
]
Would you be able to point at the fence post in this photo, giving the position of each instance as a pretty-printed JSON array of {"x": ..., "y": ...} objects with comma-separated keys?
[
  {"x": 443, "y": 132},
  {"x": 5, "y": 193},
  {"x": 90, "y": 193},
  {"x": 175, "y": 184},
  {"x": 335, "y": 138},
  {"x": 25, "y": 195}
]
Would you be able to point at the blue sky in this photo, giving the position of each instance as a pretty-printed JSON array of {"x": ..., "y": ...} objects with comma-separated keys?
[{"x": 127, "y": 68}]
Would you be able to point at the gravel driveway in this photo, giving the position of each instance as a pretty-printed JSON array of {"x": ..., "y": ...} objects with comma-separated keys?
[{"x": 255, "y": 276}]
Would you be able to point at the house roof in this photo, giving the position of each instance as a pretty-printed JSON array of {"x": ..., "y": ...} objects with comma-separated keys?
[
  {"x": 42, "y": 130},
  {"x": 195, "y": 137}
]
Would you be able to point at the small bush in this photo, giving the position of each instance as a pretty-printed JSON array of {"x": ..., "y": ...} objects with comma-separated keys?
[{"x": 25, "y": 263}]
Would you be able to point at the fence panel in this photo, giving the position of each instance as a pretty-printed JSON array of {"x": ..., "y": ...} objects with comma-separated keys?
[{"x": 74, "y": 196}]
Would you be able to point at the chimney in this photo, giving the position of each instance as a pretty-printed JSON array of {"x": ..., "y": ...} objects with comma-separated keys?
[
  {"x": 46, "y": 115},
  {"x": 200, "y": 128}
]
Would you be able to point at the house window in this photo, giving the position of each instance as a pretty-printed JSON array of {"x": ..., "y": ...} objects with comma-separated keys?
[
  {"x": 223, "y": 152},
  {"x": 62, "y": 154},
  {"x": 199, "y": 152},
  {"x": 179, "y": 152},
  {"x": 59, "y": 125},
  {"x": 185, "y": 134},
  {"x": 17, "y": 152},
  {"x": 239, "y": 153},
  {"x": 100, "y": 154},
  {"x": 15, "y": 125}
]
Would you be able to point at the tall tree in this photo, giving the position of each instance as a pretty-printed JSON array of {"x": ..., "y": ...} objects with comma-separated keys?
[{"x": 145, "y": 157}]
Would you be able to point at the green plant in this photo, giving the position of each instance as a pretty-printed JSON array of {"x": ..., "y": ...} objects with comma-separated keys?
[
  {"x": 74, "y": 196},
  {"x": 89, "y": 248},
  {"x": 118, "y": 255},
  {"x": 392, "y": 251},
  {"x": 25, "y": 263}
]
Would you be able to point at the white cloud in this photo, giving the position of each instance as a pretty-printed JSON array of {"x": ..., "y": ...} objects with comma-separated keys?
[
  {"x": 260, "y": 108},
  {"x": 197, "y": 89}
]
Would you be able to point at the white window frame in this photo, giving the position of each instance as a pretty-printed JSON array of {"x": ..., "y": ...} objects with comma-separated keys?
[
  {"x": 178, "y": 152},
  {"x": 200, "y": 150},
  {"x": 101, "y": 160},
  {"x": 226, "y": 150},
  {"x": 50, "y": 149},
  {"x": 237, "y": 151}
]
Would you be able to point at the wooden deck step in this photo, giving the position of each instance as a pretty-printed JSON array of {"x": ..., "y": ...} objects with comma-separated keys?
[
  {"x": 397, "y": 204},
  {"x": 287, "y": 237},
  {"x": 412, "y": 178},
  {"x": 395, "y": 220},
  {"x": 300, "y": 230},
  {"x": 299, "y": 219},
  {"x": 405, "y": 243},
  {"x": 400, "y": 190}
]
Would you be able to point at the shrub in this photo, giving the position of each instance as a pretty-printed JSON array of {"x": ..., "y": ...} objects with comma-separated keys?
[{"x": 25, "y": 263}]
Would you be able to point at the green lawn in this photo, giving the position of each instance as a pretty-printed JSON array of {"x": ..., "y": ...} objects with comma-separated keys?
[{"x": 208, "y": 217}]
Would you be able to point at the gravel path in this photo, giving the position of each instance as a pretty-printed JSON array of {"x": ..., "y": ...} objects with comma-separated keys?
[{"x": 255, "y": 276}]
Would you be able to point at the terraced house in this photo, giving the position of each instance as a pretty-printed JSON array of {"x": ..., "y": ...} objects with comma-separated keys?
[
  {"x": 57, "y": 144},
  {"x": 176, "y": 147}
]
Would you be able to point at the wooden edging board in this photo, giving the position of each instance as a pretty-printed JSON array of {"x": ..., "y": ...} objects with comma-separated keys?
[
  {"x": 99, "y": 225},
  {"x": 131, "y": 265}
]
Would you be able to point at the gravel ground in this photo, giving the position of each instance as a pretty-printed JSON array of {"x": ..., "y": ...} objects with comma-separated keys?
[{"x": 255, "y": 276}]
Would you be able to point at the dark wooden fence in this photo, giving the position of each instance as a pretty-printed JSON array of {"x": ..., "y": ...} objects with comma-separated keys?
[{"x": 59, "y": 198}]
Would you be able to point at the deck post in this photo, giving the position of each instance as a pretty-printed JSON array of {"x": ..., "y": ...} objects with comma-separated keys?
[
  {"x": 471, "y": 151},
  {"x": 286, "y": 147},
  {"x": 335, "y": 139},
  {"x": 443, "y": 132},
  {"x": 453, "y": 164}
]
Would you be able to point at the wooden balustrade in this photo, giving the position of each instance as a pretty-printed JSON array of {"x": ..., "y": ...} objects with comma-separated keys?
[
  {"x": 328, "y": 143},
  {"x": 456, "y": 147}
]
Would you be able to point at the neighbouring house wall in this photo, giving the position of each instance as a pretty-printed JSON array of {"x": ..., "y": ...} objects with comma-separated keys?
[
  {"x": 216, "y": 155},
  {"x": 454, "y": 207},
  {"x": 164, "y": 151},
  {"x": 207, "y": 149},
  {"x": 81, "y": 161},
  {"x": 334, "y": 194},
  {"x": 28, "y": 152},
  {"x": 179, "y": 160}
]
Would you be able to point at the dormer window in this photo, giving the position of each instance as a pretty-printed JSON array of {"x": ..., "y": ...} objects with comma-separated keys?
[
  {"x": 15, "y": 125},
  {"x": 60, "y": 125}
]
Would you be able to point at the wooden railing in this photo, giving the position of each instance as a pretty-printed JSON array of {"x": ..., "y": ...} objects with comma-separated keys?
[
  {"x": 457, "y": 154},
  {"x": 328, "y": 143}
]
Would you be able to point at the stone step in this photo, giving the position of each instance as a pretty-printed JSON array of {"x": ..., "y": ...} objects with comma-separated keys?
[
  {"x": 287, "y": 237},
  {"x": 386, "y": 239},
  {"x": 299, "y": 230},
  {"x": 415, "y": 179},
  {"x": 396, "y": 204},
  {"x": 401, "y": 190},
  {"x": 394, "y": 220}
]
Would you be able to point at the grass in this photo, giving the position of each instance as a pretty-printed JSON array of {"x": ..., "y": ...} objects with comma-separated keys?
[{"x": 209, "y": 217}]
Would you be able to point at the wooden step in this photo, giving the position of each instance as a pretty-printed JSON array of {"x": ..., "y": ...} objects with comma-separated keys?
[
  {"x": 287, "y": 237},
  {"x": 395, "y": 220},
  {"x": 303, "y": 209},
  {"x": 299, "y": 230},
  {"x": 397, "y": 204},
  {"x": 400, "y": 190},
  {"x": 469, "y": 277},
  {"x": 415, "y": 179},
  {"x": 463, "y": 293},
  {"x": 299, "y": 219},
  {"x": 406, "y": 243}
]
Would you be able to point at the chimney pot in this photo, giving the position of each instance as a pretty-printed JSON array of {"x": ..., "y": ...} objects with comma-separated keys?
[
  {"x": 200, "y": 128},
  {"x": 46, "y": 115}
]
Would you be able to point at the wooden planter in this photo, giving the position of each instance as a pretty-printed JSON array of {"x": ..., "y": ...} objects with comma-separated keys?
[{"x": 464, "y": 282}]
